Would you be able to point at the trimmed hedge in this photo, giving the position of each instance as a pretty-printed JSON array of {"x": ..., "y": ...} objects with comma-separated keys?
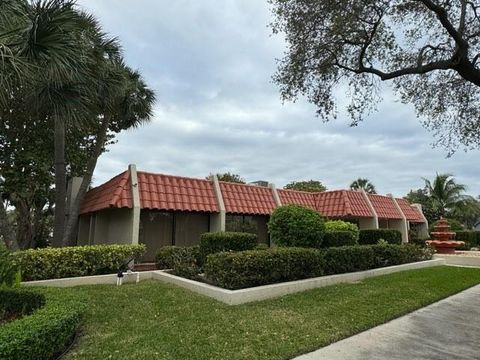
[
  {"x": 294, "y": 225},
  {"x": 259, "y": 267},
  {"x": 359, "y": 258},
  {"x": 470, "y": 237},
  {"x": 340, "y": 225},
  {"x": 54, "y": 263},
  {"x": 214, "y": 242},
  {"x": 168, "y": 255},
  {"x": 371, "y": 237},
  {"x": 339, "y": 238},
  {"x": 47, "y": 331},
  {"x": 14, "y": 302},
  {"x": 254, "y": 268}
]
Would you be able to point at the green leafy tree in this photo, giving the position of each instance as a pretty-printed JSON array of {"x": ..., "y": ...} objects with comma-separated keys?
[
  {"x": 68, "y": 72},
  {"x": 364, "y": 184},
  {"x": 429, "y": 50},
  {"x": 421, "y": 196},
  {"x": 230, "y": 177},
  {"x": 467, "y": 212},
  {"x": 309, "y": 185},
  {"x": 445, "y": 193}
]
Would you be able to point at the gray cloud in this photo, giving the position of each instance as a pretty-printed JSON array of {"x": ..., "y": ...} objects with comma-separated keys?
[{"x": 211, "y": 63}]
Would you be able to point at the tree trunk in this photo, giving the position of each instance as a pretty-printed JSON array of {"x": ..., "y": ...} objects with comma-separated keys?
[
  {"x": 60, "y": 182},
  {"x": 6, "y": 229},
  {"x": 72, "y": 224},
  {"x": 25, "y": 230}
]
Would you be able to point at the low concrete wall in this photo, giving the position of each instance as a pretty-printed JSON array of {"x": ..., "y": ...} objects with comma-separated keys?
[
  {"x": 461, "y": 260},
  {"x": 90, "y": 280},
  {"x": 236, "y": 297}
]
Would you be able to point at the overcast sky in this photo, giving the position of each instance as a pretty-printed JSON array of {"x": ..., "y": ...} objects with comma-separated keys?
[{"x": 210, "y": 63}]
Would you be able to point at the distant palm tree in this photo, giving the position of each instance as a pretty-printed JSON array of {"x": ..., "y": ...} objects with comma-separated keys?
[
  {"x": 445, "y": 193},
  {"x": 364, "y": 184}
]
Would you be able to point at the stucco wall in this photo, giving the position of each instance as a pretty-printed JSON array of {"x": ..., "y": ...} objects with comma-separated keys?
[
  {"x": 83, "y": 229},
  {"x": 367, "y": 223}
]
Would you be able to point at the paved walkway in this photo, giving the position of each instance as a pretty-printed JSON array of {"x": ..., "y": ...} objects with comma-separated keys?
[{"x": 448, "y": 329}]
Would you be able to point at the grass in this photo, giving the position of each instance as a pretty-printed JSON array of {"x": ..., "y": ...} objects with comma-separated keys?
[{"x": 153, "y": 320}]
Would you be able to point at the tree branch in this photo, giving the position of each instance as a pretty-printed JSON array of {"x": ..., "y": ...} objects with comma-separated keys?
[{"x": 443, "y": 18}]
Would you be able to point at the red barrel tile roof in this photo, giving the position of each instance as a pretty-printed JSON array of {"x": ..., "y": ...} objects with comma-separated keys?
[
  {"x": 114, "y": 193},
  {"x": 168, "y": 192},
  {"x": 342, "y": 203},
  {"x": 384, "y": 207},
  {"x": 247, "y": 199},
  {"x": 411, "y": 212},
  {"x": 303, "y": 198}
]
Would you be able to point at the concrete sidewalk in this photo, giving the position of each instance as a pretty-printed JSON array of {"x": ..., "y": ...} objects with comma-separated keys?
[{"x": 448, "y": 329}]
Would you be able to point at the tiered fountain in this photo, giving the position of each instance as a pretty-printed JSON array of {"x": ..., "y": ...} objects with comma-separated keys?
[{"x": 443, "y": 239}]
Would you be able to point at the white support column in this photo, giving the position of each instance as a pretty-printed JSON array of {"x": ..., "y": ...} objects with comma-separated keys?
[
  {"x": 404, "y": 223},
  {"x": 371, "y": 223},
  {"x": 135, "y": 220},
  {"x": 218, "y": 220},
  {"x": 276, "y": 197}
]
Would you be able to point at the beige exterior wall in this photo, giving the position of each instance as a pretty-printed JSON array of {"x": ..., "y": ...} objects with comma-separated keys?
[
  {"x": 401, "y": 226},
  {"x": 84, "y": 229},
  {"x": 367, "y": 223}
]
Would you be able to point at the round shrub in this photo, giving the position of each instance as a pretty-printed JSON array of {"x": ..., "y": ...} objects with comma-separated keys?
[
  {"x": 294, "y": 225},
  {"x": 339, "y": 238},
  {"x": 372, "y": 236},
  {"x": 339, "y": 225},
  {"x": 47, "y": 331}
]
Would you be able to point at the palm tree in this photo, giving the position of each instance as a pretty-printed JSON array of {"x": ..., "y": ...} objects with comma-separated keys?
[
  {"x": 445, "y": 193},
  {"x": 364, "y": 184},
  {"x": 48, "y": 43},
  {"x": 124, "y": 102}
]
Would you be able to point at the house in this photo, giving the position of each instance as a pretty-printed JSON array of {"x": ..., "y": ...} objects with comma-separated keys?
[{"x": 158, "y": 210}]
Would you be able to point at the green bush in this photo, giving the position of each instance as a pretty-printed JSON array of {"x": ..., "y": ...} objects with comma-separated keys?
[
  {"x": 167, "y": 255},
  {"x": 185, "y": 263},
  {"x": 294, "y": 225},
  {"x": 253, "y": 268},
  {"x": 339, "y": 225},
  {"x": 259, "y": 267},
  {"x": 16, "y": 302},
  {"x": 339, "y": 238},
  {"x": 47, "y": 331},
  {"x": 8, "y": 267},
  {"x": 214, "y": 242},
  {"x": 261, "y": 247},
  {"x": 471, "y": 238},
  {"x": 54, "y": 263},
  {"x": 371, "y": 237},
  {"x": 358, "y": 258}
]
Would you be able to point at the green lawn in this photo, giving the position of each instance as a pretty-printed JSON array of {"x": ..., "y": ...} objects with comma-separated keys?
[{"x": 153, "y": 320}]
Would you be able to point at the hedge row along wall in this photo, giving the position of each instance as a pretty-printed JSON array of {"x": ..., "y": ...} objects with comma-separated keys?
[
  {"x": 47, "y": 331},
  {"x": 55, "y": 263},
  {"x": 253, "y": 268},
  {"x": 371, "y": 237}
]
